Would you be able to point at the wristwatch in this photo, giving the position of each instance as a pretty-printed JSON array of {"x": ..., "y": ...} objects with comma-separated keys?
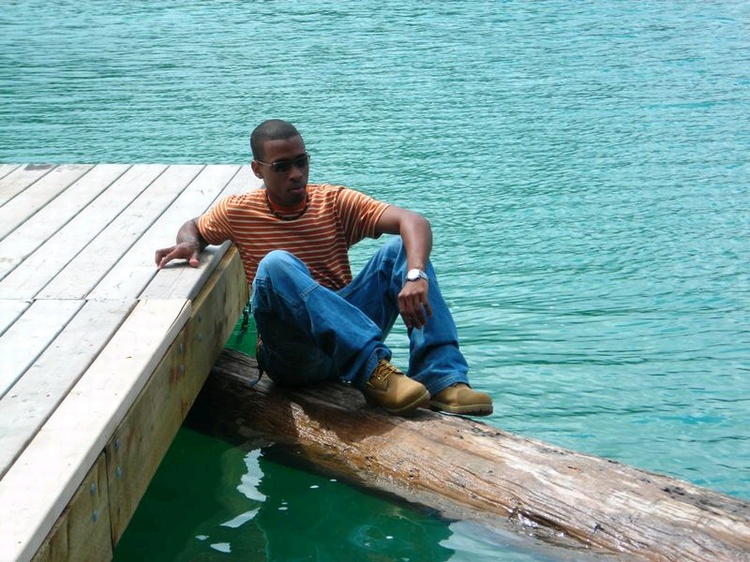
[{"x": 415, "y": 274}]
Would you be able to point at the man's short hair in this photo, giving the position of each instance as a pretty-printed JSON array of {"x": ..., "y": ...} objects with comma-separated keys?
[{"x": 272, "y": 129}]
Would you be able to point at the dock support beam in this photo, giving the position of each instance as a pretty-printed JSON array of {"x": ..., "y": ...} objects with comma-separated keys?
[{"x": 101, "y": 509}]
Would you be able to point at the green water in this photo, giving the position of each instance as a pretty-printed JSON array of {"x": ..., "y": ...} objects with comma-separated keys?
[
  {"x": 585, "y": 169},
  {"x": 217, "y": 502}
]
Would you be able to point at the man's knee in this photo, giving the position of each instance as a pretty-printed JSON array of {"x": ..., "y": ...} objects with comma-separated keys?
[
  {"x": 276, "y": 262},
  {"x": 393, "y": 249},
  {"x": 395, "y": 244},
  {"x": 279, "y": 272}
]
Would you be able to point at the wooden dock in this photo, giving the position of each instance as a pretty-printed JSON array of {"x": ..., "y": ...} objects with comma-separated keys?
[{"x": 101, "y": 354}]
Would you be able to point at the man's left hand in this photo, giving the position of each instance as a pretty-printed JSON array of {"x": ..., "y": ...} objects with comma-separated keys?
[{"x": 413, "y": 304}]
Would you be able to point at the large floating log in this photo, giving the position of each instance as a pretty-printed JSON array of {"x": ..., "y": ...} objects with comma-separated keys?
[{"x": 465, "y": 469}]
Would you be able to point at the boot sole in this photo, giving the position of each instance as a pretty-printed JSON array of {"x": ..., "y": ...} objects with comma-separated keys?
[
  {"x": 420, "y": 402},
  {"x": 465, "y": 410}
]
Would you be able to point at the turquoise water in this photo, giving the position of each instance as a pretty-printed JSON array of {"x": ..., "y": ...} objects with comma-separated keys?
[{"x": 584, "y": 166}]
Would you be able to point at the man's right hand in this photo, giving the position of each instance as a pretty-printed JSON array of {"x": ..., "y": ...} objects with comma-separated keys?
[
  {"x": 189, "y": 245},
  {"x": 183, "y": 251}
]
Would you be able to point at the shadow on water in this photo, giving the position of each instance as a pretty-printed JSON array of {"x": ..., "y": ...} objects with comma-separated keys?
[{"x": 212, "y": 500}]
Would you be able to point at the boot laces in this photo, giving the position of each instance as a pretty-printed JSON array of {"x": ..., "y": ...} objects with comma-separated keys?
[{"x": 384, "y": 370}]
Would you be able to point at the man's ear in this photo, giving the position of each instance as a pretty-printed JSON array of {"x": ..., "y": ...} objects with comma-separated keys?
[{"x": 256, "y": 169}]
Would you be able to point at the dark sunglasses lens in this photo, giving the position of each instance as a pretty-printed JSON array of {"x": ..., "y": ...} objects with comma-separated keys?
[{"x": 281, "y": 166}]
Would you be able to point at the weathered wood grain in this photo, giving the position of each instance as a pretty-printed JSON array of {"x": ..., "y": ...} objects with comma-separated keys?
[
  {"x": 82, "y": 534},
  {"x": 19, "y": 178},
  {"x": 30, "y": 200},
  {"x": 33, "y": 398},
  {"x": 467, "y": 469},
  {"x": 38, "y": 249},
  {"x": 43, "y": 479},
  {"x": 142, "y": 439}
]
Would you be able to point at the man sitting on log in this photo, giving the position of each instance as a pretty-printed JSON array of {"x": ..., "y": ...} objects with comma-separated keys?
[{"x": 315, "y": 322}]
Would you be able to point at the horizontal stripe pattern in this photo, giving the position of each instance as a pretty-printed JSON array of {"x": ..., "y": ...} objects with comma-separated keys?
[{"x": 336, "y": 219}]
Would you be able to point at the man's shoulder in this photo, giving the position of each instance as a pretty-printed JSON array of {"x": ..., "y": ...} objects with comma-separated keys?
[
  {"x": 324, "y": 188},
  {"x": 242, "y": 199},
  {"x": 335, "y": 191}
]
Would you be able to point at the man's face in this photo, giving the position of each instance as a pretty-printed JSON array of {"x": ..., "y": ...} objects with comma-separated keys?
[{"x": 284, "y": 170}]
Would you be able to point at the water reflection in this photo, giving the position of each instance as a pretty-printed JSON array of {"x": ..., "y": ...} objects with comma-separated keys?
[
  {"x": 328, "y": 523},
  {"x": 210, "y": 500},
  {"x": 240, "y": 505}
]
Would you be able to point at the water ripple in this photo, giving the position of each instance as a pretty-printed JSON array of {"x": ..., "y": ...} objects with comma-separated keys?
[{"x": 584, "y": 166}]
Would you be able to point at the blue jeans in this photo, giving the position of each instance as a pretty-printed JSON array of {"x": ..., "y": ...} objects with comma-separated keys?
[{"x": 311, "y": 333}]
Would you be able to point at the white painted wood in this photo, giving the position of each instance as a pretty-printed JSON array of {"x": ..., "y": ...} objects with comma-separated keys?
[
  {"x": 10, "y": 310},
  {"x": 6, "y": 169},
  {"x": 31, "y": 401},
  {"x": 243, "y": 182},
  {"x": 19, "y": 179},
  {"x": 83, "y": 273},
  {"x": 183, "y": 281},
  {"x": 39, "y": 228},
  {"x": 69, "y": 374},
  {"x": 36, "y": 489},
  {"x": 32, "y": 273},
  {"x": 135, "y": 270},
  {"x": 29, "y": 336},
  {"x": 178, "y": 280},
  {"x": 16, "y": 211},
  {"x": 69, "y": 371}
]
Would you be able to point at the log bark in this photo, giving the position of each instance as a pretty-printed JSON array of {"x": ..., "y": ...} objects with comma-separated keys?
[{"x": 465, "y": 469}]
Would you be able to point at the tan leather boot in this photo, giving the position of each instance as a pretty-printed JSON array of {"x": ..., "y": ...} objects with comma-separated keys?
[
  {"x": 393, "y": 391},
  {"x": 460, "y": 399}
]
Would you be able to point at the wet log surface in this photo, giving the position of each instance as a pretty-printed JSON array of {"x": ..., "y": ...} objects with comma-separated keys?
[{"x": 465, "y": 469}]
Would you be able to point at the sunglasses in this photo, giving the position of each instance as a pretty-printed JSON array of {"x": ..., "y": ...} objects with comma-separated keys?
[{"x": 280, "y": 166}]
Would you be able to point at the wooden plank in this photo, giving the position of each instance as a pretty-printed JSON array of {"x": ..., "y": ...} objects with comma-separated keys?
[
  {"x": 135, "y": 270},
  {"x": 139, "y": 444},
  {"x": 465, "y": 469},
  {"x": 33, "y": 233},
  {"x": 19, "y": 179},
  {"x": 34, "y": 397},
  {"x": 49, "y": 258},
  {"x": 16, "y": 211},
  {"x": 82, "y": 534},
  {"x": 36, "y": 489},
  {"x": 183, "y": 281},
  {"x": 6, "y": 169},
  {"x": 178, "y": 280},
  {"x": 10, "y": 311},
  {"x": 83, "y": 273},
  {"x": 30, "y": 335},
  {"x": 243, "y": 182}
]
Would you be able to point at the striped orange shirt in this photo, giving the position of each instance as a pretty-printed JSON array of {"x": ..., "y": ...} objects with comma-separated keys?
[{"x": 335, "y": 220}]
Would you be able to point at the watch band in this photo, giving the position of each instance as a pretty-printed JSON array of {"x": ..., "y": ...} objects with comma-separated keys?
[{"x": 415, "y": 274}]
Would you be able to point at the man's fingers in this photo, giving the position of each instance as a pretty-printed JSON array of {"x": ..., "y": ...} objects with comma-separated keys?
[
  {"x": 166, "y": 259},
  {"x": 414, "y": 307},
  {"x": 415, "y": 316},
  {"x": 163, "y": 257},
  {"x": 427, "y": 308},
  {"x": 194, "y": 260},
  {"x": 159, "y": 256},
  {"x": 166, "y": 255}
]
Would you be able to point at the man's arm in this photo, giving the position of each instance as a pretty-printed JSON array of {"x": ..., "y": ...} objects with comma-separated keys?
[
  {"x": 189, "y": 245},
  {"x": 416, "y": 234}
]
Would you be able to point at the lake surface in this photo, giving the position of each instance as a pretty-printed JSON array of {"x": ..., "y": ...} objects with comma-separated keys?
[{"x": 584, "y": 166}]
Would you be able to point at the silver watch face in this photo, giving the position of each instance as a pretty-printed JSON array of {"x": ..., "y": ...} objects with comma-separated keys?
[{"x": 414, "y": 274}]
